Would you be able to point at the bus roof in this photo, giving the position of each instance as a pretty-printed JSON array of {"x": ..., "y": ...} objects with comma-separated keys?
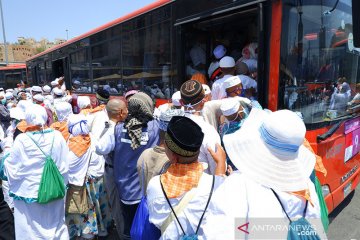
[
  {"x": 154, "y": 5},
  {"x": 13, "y": 66}
]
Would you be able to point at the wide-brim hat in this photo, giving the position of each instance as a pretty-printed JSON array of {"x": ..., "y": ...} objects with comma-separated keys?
[{"x": 277, "y": 161}]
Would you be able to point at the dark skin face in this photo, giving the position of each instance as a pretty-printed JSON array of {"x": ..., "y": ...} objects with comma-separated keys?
[{"x": 234, "y": 91}]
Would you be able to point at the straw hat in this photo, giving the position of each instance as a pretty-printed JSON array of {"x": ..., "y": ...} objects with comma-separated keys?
[{"x": 268, "y": 149}]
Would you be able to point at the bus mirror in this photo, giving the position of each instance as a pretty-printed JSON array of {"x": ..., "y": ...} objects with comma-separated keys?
[{"x": 356, "y": 22}]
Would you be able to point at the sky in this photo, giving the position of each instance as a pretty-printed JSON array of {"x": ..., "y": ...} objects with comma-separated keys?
[{"x": 50, "y": 19}]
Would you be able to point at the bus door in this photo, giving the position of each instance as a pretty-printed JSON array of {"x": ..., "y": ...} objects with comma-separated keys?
[
  {"x": 235, "y": 28},
  {"x": 60, "y": 68}
]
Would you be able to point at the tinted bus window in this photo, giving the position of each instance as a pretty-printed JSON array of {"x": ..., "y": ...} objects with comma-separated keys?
[
  {"x": 319, "y": 64},
  {"x": 106, "y": 66},
  {"x": 80, "y": 70}
]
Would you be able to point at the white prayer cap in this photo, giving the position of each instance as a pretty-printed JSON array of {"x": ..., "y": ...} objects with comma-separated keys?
[
  {"x": 63, "y": 110},
  {"x": 46, "y": 89},
  {"x": 219, "y": 51},
  {"x": 54, "y": 83},
  {"x": 227, "y": 62},
  {"x": 36, "y": 115},
  {"x": 83, "y": 101},
  {"x": 76, "y": 82},
  {"x": 207, "y": 89},
  {"x": 17, "y": 113},
  {"x": 251, "y": 64},
  {"x": 9, "y": 90},
  {"x": 9, "y": 95},
  {"x": 36, "y": 89},
  {"x": 58, "y": 92},
  {"x": 229, "y": 106},
  {"x": 231, "y": 82},
  {"x": 77, "y": 125},
  {"x": 176, "y": 99},
  {"x": 1, "y": 89},
  {"x": 38, "y": 97}
]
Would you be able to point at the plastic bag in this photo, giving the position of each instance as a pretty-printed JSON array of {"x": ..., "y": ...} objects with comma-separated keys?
[
  {"x": 52, "y": 185},
  {"x": 141, "y": 228}
]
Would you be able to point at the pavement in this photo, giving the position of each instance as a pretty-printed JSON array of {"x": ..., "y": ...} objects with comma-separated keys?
[{"x": 345, "y": 219}]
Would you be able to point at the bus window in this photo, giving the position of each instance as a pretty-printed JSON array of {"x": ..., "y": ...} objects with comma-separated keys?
[
  {"x": 319, "y": 63},
  {"x": 146, "y": 58},
  {"x": 106, "y": 66},
  {"x": 80, "y": 71}
]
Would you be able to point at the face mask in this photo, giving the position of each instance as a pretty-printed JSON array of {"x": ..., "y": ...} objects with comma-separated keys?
[{"x": 3, "y": 101}]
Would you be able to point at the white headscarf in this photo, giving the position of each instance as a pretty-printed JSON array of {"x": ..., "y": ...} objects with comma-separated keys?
[
  {"x": 36, "y": 115},
  {"x": 63, "y": 111},
  {"x": 83, "y": 101},
  {"x": 77, "y": 125},
  {"x": 23, "y": 105}
]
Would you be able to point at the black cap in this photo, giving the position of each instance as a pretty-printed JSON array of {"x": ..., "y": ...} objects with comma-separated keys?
[
  {"x": 102, "y": 94},
  {"x": 192, "y": 92},
  {"x": 184, "y": 137}
]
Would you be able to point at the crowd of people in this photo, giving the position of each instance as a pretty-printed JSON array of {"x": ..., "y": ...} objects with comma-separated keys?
[{"x": 208, "y": 160}]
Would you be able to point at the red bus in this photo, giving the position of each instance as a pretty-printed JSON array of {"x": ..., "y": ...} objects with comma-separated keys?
[
  {"x": 303, "y": 47},
  {"x": 12, "y": 74}
]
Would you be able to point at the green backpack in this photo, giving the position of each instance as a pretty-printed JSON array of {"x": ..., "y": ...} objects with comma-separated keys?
[{"x": 52, "y": 184}]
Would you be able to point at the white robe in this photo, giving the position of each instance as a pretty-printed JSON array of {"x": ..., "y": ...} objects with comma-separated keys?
[
  {"x": 24, "y": 169},
  {"x": 240, "y": 200},
  {"x": 211, "y": 137},
  {"x": 159, "y": 209}
]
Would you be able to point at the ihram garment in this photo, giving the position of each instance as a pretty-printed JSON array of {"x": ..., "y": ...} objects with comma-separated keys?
[{"x": 24, "y": 169}]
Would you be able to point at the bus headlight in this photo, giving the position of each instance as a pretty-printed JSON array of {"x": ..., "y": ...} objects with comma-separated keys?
[{"x": 325, "y": 190}]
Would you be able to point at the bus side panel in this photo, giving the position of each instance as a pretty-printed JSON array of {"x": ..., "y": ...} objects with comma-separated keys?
[{"x": 339, "y": 173}]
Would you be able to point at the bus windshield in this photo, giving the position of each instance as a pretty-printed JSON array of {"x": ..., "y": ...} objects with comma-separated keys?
[{"x": 319, "y": 64}]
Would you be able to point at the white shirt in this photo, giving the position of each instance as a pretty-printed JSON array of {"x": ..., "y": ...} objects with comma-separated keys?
[
  {"x": 98, "y": 124},
  {"x": 159, "y": 209},
  {"x": 25, "y": 164},
  {"x": 106, "y": 143},
  {"x": 211, "y": 137},
  {"x": 218, "y": 91},
  {"x": 244, "y": 201}
]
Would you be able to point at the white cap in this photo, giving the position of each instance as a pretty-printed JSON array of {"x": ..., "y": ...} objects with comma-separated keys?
[
  {"x": 219, "y": 51},
  {"x": 229, "y": 106},
  {"x": 76, "y": 82},
  {"x": 54, "y": 83},
  {"x": 175, "y": 98},
  {"x": 206, "y": 89},
  {"x": 9, "y": 95},
  {"x": 58, "y": 92},
  {"x": 9, "y": 90},
  {"x": 227, "y": 62},
  {"x": 39, "y": 97},
  {"x": 251, "y": 63},
  {"x": 36, "y": 89},
  {"x": 231, "y": 81},
  {"x": 83, "y": 101},
  {"x": 46, "y": 89}
]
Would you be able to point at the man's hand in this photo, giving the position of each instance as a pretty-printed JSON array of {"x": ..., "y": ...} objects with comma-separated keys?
[{"x": 220, "y": 159}]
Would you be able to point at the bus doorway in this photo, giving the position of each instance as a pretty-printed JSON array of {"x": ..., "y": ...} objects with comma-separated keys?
[
  {"x": 236, "y": 31},
  {"x": 60, "y": 68}
]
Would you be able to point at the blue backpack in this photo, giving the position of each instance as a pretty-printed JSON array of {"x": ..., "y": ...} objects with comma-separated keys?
[{"x": 300, "y": 229}]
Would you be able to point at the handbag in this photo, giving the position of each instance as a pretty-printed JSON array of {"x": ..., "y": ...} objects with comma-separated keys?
[
  {"x": 52, "y": 184},
  {"x": 77, "y": 200}
]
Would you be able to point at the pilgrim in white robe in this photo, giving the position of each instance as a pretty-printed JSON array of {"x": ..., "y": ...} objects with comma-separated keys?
[{"x": 24, "y": 169}]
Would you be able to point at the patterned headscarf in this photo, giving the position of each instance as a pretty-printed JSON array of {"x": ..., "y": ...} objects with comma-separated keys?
[{"x": 141, "y": 109}]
